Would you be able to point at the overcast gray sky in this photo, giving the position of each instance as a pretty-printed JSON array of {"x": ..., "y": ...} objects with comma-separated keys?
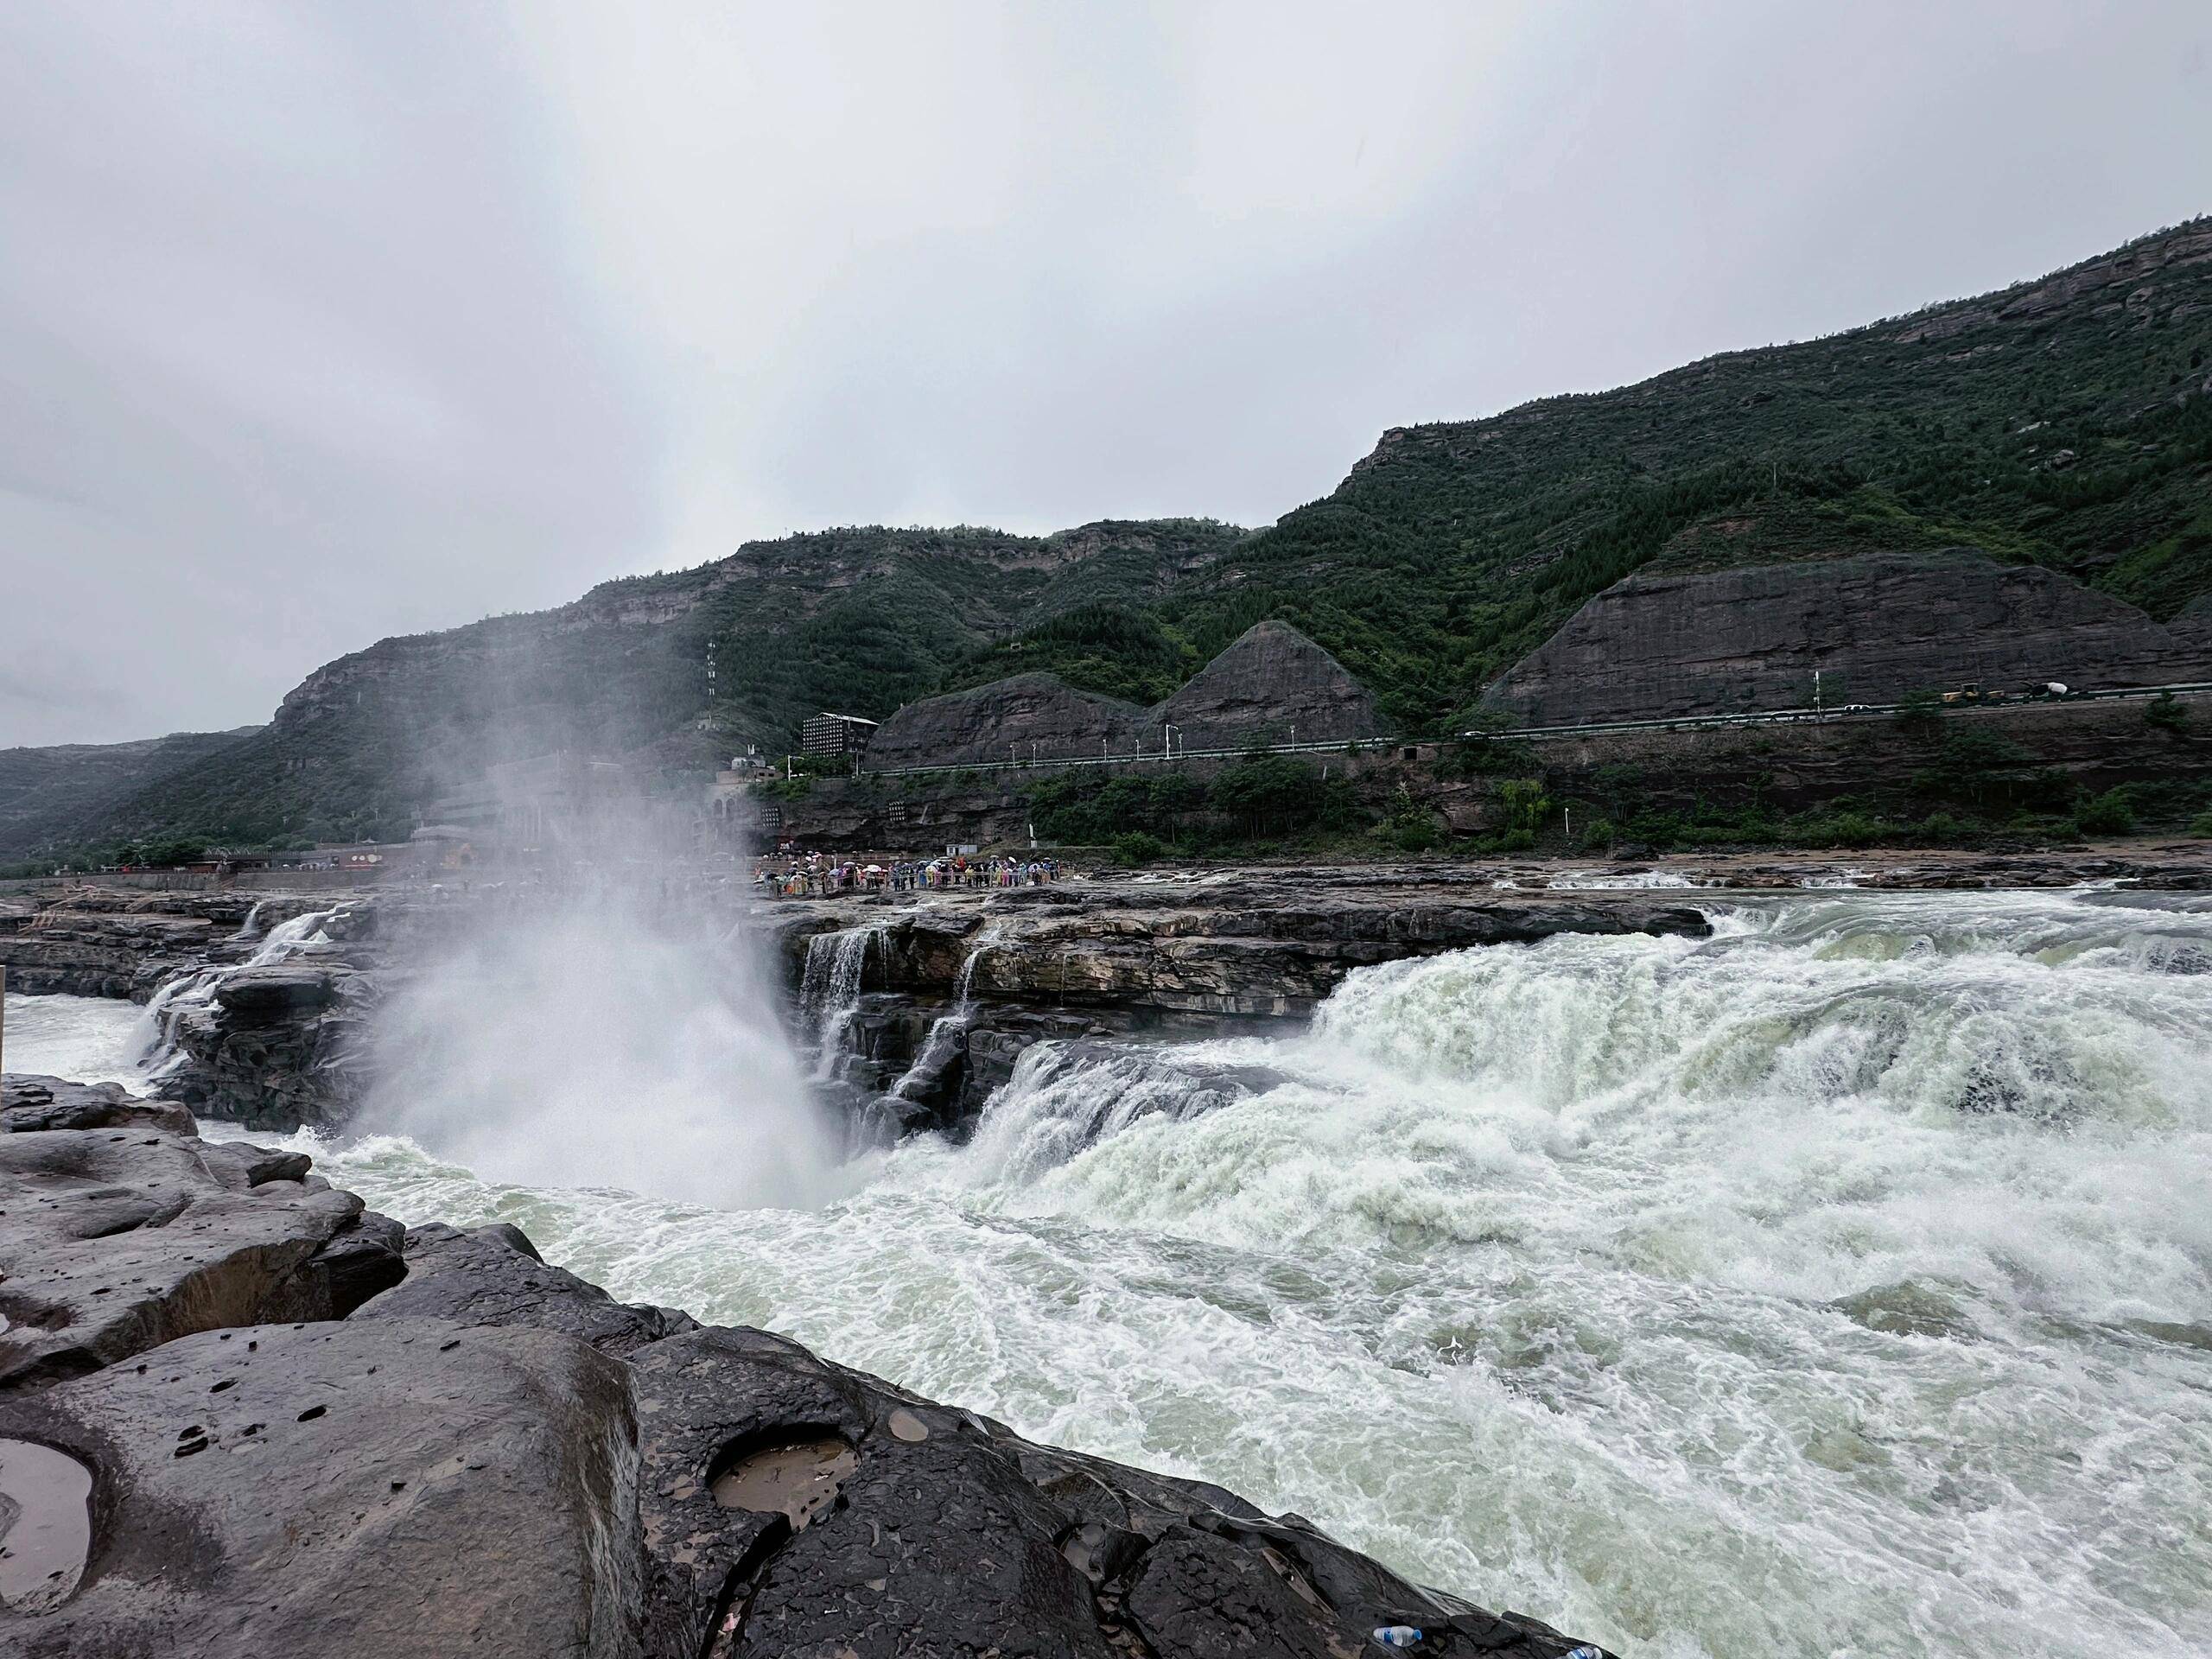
[{"x": 320, "y": 323}]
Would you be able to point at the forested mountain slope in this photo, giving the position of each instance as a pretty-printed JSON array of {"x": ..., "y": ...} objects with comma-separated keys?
[
  {"x": 46, "y": 793},
  {"x": 860, "y": 619},
  {"x": 2065, "y": 422}
]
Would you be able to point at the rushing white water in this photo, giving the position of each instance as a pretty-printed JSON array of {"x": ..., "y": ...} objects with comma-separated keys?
[
  {"x": 1637, "y": 882},
  {"x": 1840, "y": 1285},
  {"x": 829, "y": 990},
  {"x": 84, "y": 1039},
  {"x": 948, "y": 1028},
  {"x": 157, "y": 1029}
]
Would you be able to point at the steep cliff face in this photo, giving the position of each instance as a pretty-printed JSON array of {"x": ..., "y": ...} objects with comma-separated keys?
[
  {"x": 1274, "y": 685},
  {"x": 1007, "y": 720},
  {"x": 1876, "y": 626}
]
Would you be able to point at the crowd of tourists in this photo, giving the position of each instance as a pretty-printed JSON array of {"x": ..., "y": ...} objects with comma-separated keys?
[{"x": 816, "y": 875}]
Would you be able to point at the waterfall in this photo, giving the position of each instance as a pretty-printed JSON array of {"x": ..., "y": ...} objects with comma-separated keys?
[
  {"x": 829, "y": 989},
  {"x": 191, "y": 994},
  {"x": 1644, "y": 1281},
  {"x": 250, "y": 928},
  {"x": 947, "y": 1029}
]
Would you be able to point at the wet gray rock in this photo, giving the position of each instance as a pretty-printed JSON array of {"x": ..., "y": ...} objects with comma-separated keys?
[
  {"x": 113, "y": 1241},
  {"x": 29, "y": 1102},
  {"x": 1206, "y": 956},
  {"x": 493, "y": 1275},
  {"x": 81, "y": 947},
  {"x": 286, "y": 1050},
  {"x": 390, "y": 1488},
  {"x": 278, "y": 989},
  {"x": 794, "y": 1507}
]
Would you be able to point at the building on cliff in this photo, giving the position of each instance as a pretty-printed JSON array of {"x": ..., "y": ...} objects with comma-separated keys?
[
  {"x": 826, "y": 733},
  {"x": 1272, "y": 686}
]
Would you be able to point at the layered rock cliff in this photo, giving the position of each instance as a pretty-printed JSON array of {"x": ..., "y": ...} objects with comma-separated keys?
[
  {"x": 1272, "y": 685},
  {"x": 1008, "y": 720},
  {"x": 1876, "y": 627}
]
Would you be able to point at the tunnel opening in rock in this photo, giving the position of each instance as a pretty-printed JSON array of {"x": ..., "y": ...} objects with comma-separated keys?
[
  {"x": 794, "y": 1472},
  {"x": 46, "y": 1526}
]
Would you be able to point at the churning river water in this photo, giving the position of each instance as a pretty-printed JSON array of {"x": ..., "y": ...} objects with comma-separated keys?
[{"x": 1838, "y": 1285}]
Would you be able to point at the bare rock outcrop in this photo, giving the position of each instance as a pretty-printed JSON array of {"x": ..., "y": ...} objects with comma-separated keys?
[
  {"x": 1009, "y": 718},
  {"x": 397, "y": 1488},
  {"x": 117, "y": 1238},
  {"x": 493, "y": 1275},
  {"x": 29, "y": 1102},
  {"x": 1878, "y": 626},
  {"x": 1274, "y": 685}
]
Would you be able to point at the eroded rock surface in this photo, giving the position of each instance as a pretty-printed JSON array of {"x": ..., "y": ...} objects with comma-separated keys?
[
  {"x": 1676, "y": 642},
  {"x": 493, "y": 1275},
  {"x": 29, "y": 1101},
  {"x": 1272, "y": 685},
  {"x": 391, "y": 1488},
  {"x": 115, "y": 1239},
  {"x": 947, "y": 1533}
]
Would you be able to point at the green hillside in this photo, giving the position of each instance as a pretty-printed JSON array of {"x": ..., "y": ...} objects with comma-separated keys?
[
  {"x": 2066, "y": 421},
  {"x": 60, "y": 787},
  {"x": 859, "y": 619}
]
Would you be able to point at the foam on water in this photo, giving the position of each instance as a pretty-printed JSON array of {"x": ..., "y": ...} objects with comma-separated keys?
[
  {"x": 86, "y": 1038},
  {"x": 1637, "y": 881},
  {"x": 1841, "y": 1284}
]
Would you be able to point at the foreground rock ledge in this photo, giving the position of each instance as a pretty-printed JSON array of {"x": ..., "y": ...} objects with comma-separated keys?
[{"x": 303, "y": 1435}]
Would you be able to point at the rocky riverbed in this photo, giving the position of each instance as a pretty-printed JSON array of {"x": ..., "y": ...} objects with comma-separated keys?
[
  {"x": 241, "y": 1414},
  {"x": 919, "y": 1005}
]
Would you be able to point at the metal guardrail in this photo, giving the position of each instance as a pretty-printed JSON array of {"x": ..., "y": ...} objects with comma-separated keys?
[
  {"x": 1150, "y": 757},
  {"x": 1848, "y": 711},
  {"x": 1536, "y": 733}
]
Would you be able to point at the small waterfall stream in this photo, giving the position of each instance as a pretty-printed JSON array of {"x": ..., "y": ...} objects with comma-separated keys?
[
  {"x": 948, "y": 1028},
  {"x": 159, "y": 1051},
  {"x": 829, "y": 991}
]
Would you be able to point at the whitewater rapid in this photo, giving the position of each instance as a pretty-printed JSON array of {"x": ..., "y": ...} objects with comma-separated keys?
[{"x": 1838, "y": 1285}]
